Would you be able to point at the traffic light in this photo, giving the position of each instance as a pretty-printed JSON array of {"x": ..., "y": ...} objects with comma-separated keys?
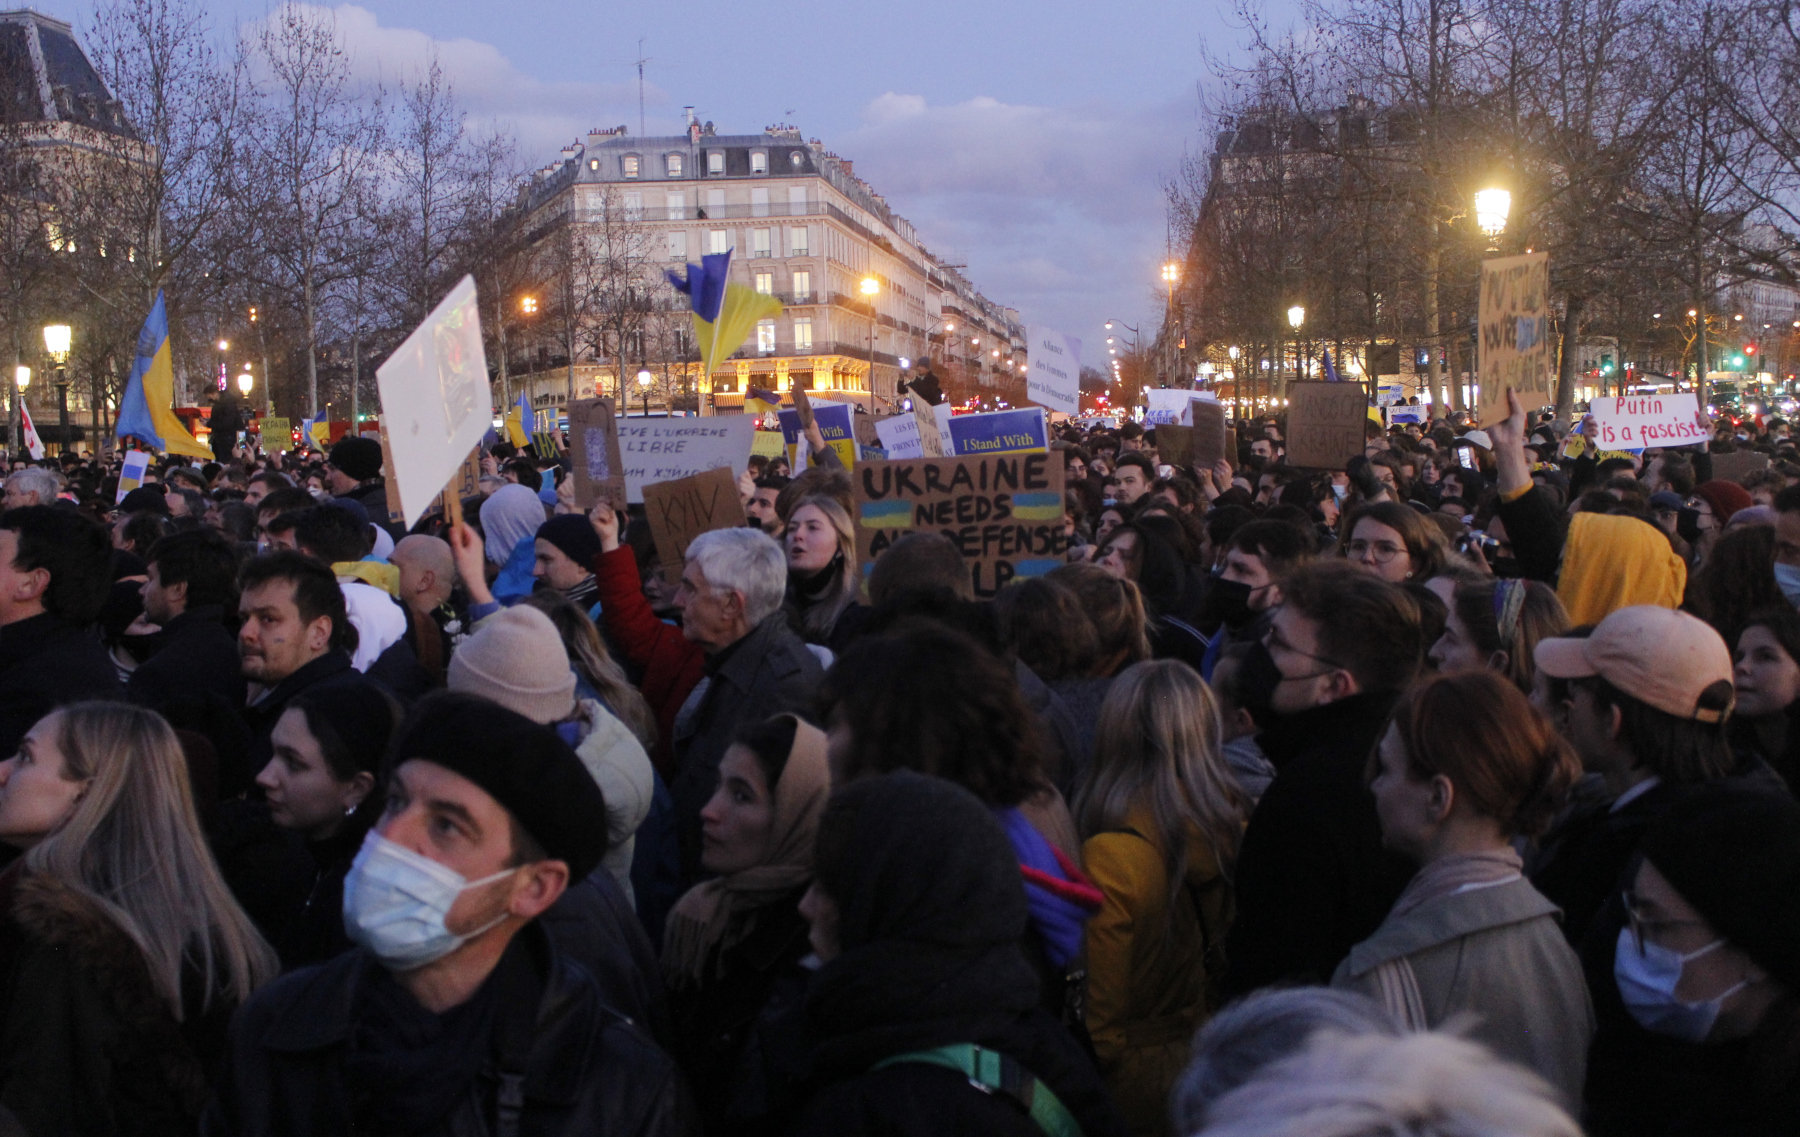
[
  {"x": 1749, "y": 349},
  {"x": 1606, "y": 365}
]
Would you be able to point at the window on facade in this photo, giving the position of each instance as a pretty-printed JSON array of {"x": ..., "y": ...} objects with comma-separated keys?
[
  {"x": 715, "y": 203},
  {"x": 678, "y": 207},
  {"x": 678, "y": 246},
  {"x": 765, "y": 283},
  {"x": 684, "y": 342},
  {"x": 803, "y": 333},
  {"x": 802, "y": 287},
  {"x": 672, "y": 164},
  {"x": 629, "y": 164},
  {"x": 634, "y": 206},
  {"x": 759, "y": 162},
  {"x": 715, "y": 161},
  {"x": 797, "y": 201},
  {"x": 759, "y": 242},
  {"x": 634, "y": 343},
  {"x": 759, "y": 202},
  {"x": 717, "y": 240},
  {"x": 795, "y": 160},
  {"x": 765, "y": 336},
  {"x": 797, "y": 245}
]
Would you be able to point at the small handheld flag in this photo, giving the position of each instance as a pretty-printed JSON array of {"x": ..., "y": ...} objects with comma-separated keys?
[
  {"x": 1331, "y": 371},
  {"x": 33, "y": 444},
  {"x": 146, "y": 411}
]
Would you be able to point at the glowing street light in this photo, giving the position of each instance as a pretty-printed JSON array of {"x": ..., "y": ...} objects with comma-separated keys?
[
  {"x": 528, "y": 305},
  {"x": 22, "y": 377},
  {"x": 245, "y": 381},
  {"x": 645, "y": 378},
  {"x": 1296, "y": 316},
  {"x": 1492, "y": 206}
]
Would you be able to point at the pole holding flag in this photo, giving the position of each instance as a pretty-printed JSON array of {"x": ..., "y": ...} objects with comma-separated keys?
[{"x": 146, "y": 411}]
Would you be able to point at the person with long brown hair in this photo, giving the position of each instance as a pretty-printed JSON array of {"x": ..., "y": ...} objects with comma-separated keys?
[
  {"x": 122, "y": 952},
  {"x": 1162, "y": 816},
  {"x": 1466, "y": 767}
]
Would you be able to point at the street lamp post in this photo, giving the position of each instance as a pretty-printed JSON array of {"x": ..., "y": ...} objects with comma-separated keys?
[
  {"x": 645, "y": 379},
  {"x": 871, "y": 288},
  {"x": 56, "y": 344},
  {"x": 1297, "y": 319},
  {"x": 1492, "y": 207},
  {"x": 1171, "y": 275}
]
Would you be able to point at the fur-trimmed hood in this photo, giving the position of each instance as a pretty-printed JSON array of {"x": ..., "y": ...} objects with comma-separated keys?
[{"x": 60, "y": 917}]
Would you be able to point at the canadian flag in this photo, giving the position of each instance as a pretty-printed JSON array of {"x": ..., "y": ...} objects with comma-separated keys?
[{"x": 33, "y": 444}]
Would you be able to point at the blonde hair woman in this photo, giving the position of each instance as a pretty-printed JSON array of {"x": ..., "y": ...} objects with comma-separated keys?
[
  {"x": 1162, "y": 815},
  {"x": 821, "y": 557},
  {"x": 121, "y": 945}
]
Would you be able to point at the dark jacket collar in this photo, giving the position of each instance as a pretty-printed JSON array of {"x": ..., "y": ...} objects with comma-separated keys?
[
  {"x": 206, "y": 615},
  {"x": 1347, "y": 723},
  {"x": 738, "y": 662},
  {"x": 331, "y": 663},
  {"x": 25, "y": 638}
]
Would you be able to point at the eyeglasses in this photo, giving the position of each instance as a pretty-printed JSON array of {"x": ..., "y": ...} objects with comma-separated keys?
[
  {"x": 1273, "y": 640},
  {"x": 1639, "y": 923},
  {"x": 1381, "y": 552}
]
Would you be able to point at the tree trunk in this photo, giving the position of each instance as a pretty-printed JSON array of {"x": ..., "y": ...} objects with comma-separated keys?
[
  {"x": 312, "y": 358},
  {"x": 1565, "y": 366},
  {"x": 1434, "y": 373}
]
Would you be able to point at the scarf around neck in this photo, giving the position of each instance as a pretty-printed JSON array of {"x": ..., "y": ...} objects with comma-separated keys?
[{"x": 1450, "y": 875}]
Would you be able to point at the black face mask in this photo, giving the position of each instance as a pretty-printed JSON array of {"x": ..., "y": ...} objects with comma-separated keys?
[
  {"x": 1507, "y": 567},
  {"x": 1687, "y": 525},
  {"x": 1257, "y": 679},
  {"x": 1229, "y": 602}
]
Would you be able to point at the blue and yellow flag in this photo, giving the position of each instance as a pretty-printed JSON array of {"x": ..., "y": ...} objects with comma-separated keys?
[
  {"x": 724, "y": 313},
  {"x": 521, "y": 421},
  {"x": 147, "y": 410}
]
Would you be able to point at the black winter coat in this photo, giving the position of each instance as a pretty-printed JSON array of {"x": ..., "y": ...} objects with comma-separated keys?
[
  {"x": 196, "y": 681},
  {"x": 88, "y": 1047},
  {"x": 47, "y": 662},
  {"x": 262, "y": 715},
  {"x": 1313, "y": 879},
  {"x": 588, "y": 1071}
]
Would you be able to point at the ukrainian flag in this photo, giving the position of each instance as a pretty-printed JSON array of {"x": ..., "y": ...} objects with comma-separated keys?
[
  {"x": 724, "y": 313},
  {"x": 146, "y": 412},
  {"x": 521, "y": 421}
]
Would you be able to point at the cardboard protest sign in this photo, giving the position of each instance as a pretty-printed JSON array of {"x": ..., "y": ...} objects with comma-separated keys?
[
  {"x": 803, "y": 407},
  {"x": 835, "y": 425},
  {"x": 1000, "y": 432},
  {"x": 682, "y": 509},
  {"x": 768, "y": 443},
  {"x": 864, "y": 428},
  {"x": 1175, "y": 445},
  {"x": 594, "y": 452},
  {"x": 466, "y": 482},
  {"x": 664, "y": 449},
  {"x": 387, "y": 469},
  {"x": 435, "y": 401},
  {"x": 1212, "y": 438},
  {"x": 1733, "y": 466},
  {"x": 1003, "y": 511},
  {"x": 1515, "y": 334},
  {"x": 932, "y": 428},
  {"x": 1161, "y": 405},
  {"x": 1637, "y": 421},
  {"x": 899, "y": 436},
  {"x": 1325, "y": 424},
  {"x": 277, "y": 433},
  {"x": 1053, "y": 372}
]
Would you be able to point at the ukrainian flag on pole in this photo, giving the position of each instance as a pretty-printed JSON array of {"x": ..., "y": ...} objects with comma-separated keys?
[
  {"x": 146, "y": 411},
  {"x": 724, "y": 313}
]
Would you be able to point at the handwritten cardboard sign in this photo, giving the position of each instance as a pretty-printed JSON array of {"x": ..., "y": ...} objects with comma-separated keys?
[
  {"x": 1636, "y": 421},
  {"x": 682, "y": 509},
  {"x": 1003, "y": 511},
  {"x": 664, "y": 449},
  {"x": 435, "y": 400},
  {"x": 1175, "y": 445},
  {"x": 1515, "y": 334},
  {"x": 1325, "y": 424},
  {"x": 1212, "y": 438},
  {"x": 594, "y": 452},
  {"x": 277, "y": 433}
]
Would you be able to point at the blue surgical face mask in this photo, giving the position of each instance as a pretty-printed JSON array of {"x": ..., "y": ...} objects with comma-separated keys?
[
  {"x": 1647, "y": 980},
  {"x": 1787, "y": 578},
  {"x": 395, "y": 903}
]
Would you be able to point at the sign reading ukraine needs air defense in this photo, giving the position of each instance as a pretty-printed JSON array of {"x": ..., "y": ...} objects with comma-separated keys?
[{"x": 1003, "y": 512}]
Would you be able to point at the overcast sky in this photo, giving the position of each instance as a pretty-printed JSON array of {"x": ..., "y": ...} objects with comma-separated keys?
[{"x": 1030, "y": 142}]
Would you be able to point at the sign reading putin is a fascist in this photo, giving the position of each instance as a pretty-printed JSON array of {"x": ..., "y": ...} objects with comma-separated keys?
[{"x": 1003, "y": 512}]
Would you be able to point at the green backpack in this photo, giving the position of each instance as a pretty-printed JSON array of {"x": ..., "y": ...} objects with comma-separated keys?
[{"x": 993, "y": 1072}]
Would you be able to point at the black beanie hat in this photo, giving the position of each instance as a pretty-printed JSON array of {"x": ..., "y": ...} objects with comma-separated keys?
[
  {"x": 358, "y": 457},
  {"x": 574, "y": 534},
  {"x": 1733, "y": 852},
  {"x": 522, "y": 765}
]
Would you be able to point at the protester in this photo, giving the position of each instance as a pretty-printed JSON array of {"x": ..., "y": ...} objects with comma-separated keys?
[
  {"x": 510, "y": 519},
  {"x": 823, "y": 577},
  {"x": 597, "y": 675},
  {"x": 122, "y": 954},
  {"x": 1466, "y": 768},
  {"x": 1162, "y": 817},
  {"x": 1394, "y": 542},
  {"x": 924, "y": 1014},
  {"x": 734, "y": 944},
  {"x": 354, "y": 472},
  {"x": 1497, "y": 624},
  {"x": 55, "y": 570},
  {"x": 1313, "y": 878},
  {"x": 295, "y": 634},
  {"x": 335, "y": 535},
  {"x": 322, "y": 784},
  {"x": 427, "y": 582},
  {"x": 457, "y": 1011},
  {"x": 31, "y": 486},
  {"x": 1766, "y": 673},
  {"x": 563, "y": 554}
]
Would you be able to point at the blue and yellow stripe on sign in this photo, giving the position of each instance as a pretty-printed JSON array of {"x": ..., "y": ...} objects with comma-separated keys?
[
  {"x": 1036, "y": 568},
  {"x": 886, "y": 515},
  {"x": 1037, "y": 506}
]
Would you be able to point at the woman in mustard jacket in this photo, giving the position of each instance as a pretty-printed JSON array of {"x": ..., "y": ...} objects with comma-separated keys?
[{"x": 1162, "y": 816}]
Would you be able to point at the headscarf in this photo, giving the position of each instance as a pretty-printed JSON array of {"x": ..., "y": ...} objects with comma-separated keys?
[
  {"x": 715, "y": 916},
  {"x": 511, "y": 514},
  {"x": 1611, "y": 562}
]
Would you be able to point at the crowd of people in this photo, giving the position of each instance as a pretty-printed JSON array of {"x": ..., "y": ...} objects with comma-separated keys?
[{"x": 1448, "y": 792}]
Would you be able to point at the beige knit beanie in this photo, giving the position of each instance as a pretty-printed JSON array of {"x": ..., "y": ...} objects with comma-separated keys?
[{"x": 516, "y": 658}]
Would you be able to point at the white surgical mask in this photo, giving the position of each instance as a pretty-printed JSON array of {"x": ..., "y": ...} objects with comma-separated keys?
[
  {"x": 1787, "y": 578},
  {"x": 1647, "y": 980},
  {"x": 395, "y": 902}
]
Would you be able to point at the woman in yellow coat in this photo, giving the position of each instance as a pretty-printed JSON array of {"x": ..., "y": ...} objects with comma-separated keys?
[{"x": 1162, "y": 816}]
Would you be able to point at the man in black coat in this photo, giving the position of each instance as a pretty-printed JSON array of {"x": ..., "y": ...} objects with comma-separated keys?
[
  {"x": 55, "y": 572},
  {"x": 486, "y": 1025},
  {"x": 730, "y": 599},
  {"x": 295, "y": 633},
  {"x": 1313, "y": 879},
  {"x": 195, "y": 679}
]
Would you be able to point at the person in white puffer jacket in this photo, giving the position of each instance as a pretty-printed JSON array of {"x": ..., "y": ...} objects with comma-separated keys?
[{"x": 515, "y": 657}]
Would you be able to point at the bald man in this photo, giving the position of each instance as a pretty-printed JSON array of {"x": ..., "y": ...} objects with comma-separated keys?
[{"x": 427, "y": 577}]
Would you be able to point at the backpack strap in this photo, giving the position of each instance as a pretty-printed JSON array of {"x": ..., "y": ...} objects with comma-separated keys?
[{"x": 992, "y": 1072}]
